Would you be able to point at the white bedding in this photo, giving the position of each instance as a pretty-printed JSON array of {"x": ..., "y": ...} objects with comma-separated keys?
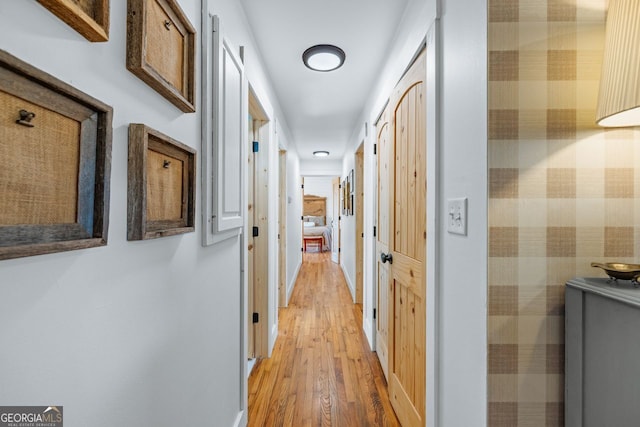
[{"x": 324, "y": 231}]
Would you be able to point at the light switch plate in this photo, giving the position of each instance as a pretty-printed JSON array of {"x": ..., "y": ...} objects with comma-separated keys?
[{"x": 457, "y": 216}]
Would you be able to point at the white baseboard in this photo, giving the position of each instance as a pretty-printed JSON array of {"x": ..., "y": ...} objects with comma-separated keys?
[
  {"x": 293, "y": 282},
  {"x": 368, "y": 330},
  {"x": 241, "y": 419},
  {"x": 352, "y": 288}
]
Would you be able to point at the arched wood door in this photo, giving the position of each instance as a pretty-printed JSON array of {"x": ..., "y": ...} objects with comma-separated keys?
[{"x": 407, "y": 245}]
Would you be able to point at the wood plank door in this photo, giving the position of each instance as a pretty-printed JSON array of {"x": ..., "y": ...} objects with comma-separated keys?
[
  {"x": 335, "y": 222},
  {"x": 407, "y": 245},
  {"x": 382, "y": 241},
  {"x": 251, "y": 352},
  {"x": 358, "y": 212}
]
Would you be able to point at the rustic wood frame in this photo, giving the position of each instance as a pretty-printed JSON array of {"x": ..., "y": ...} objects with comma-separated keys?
[
  {"x": 314, "y": 206},
  {"x": 94, "y": 30},
  {"x": 92, "y": 219},
  {"x": 140, "y": 143},
  {"x": 137, "y": 40}
]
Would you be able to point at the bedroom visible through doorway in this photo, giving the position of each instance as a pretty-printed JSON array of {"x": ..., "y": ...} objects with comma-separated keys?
[{"x": 320, "y": 215}]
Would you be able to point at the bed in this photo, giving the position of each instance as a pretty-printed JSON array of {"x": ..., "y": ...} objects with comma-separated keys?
[{"x": 315, "y": 227}]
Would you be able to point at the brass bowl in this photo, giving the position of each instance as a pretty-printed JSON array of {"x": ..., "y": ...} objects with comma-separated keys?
[{"x": 618, "y": 270}]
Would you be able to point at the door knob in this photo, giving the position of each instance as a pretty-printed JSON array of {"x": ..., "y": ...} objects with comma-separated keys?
[{"x": 386, "y": 257}]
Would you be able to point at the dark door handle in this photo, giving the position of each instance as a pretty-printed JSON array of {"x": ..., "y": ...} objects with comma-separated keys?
[{"x": 386, "y": 257}]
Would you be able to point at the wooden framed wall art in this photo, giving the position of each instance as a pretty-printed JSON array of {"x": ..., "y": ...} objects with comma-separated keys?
[
  {"x": 352, "y": 191},
  {"x": 88, "y": 17},
  {"x": 161, "y": 49},
  {"x": 161, "y": 185},
  {"x": 224, "y": 134},
  {"x": 55, "y": 163}
]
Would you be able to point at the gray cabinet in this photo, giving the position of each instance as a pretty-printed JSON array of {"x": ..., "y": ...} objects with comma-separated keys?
[{"x": 602, "y": 354}]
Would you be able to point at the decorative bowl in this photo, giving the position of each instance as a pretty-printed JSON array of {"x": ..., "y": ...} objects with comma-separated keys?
[{"x": 618, "y": 270}]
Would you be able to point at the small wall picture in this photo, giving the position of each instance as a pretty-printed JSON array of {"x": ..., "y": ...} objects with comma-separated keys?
[
  {"x": 352, "y": 184},
  {"x": 161, "y": 49},
  {"x": 161, "y": 185}
]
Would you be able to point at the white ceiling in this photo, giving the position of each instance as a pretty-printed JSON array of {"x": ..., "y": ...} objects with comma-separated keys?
[{"x": 322, "y": 109}]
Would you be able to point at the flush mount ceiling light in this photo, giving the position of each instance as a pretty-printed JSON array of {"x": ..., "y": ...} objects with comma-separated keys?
[
  {"x": 619, "y": 100},
  {"x": 321, "y": 153},
  {"x": 323, "y": 57}
]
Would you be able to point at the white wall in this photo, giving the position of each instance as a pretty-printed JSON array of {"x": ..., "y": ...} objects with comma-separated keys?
[
  {"x": 348, "y": 235},
  {"x": 134, "y": 333},
  {"x": 321, "y": 167},
  {"x": 463, "y": 173}
]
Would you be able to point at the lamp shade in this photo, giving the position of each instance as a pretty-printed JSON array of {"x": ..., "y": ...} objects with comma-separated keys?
[{"x": 619, "y": 100}]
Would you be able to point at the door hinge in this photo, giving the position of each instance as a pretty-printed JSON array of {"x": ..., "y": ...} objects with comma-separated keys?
[
  {"x": 301, "y": 250},
  {"x": 302, "y": 186},
  {"x": 374, "y": 231},
  {"x": 362, "y": 235},
  {"x": 375, "y": 149},
  {"x": 339, "y": 249},
  {"x": 374, "y": 313},
  {"x": 256, "y": 232},
  {"x": 278, "y": 236},
  {"x": 301, "y": 218},
  {"x": 256, "y": 317},
  {"x": 256, "y": 146},
  {"x": 339, "y": 218},
  {"x": 339, "y": 185}
]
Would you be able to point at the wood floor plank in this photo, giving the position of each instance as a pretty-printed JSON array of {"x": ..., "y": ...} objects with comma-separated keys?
[{"x": 322, "y": 371}]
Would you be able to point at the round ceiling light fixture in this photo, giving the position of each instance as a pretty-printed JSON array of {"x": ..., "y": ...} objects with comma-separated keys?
[
  {"x": 321, "y": 153},
  {"x": 323, "y": 57}
]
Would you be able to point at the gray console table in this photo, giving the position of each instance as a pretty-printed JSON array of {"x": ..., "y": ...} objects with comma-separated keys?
[{"x": 602, "y": 354}]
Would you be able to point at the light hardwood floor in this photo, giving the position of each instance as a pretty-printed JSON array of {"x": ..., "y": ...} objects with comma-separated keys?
[{"x": 322, "y": 372}]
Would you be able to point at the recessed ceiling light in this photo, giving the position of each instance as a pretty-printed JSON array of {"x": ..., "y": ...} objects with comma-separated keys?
[
  {"x": 321, "y": 153},
  {"x": 323, "y": 57}
]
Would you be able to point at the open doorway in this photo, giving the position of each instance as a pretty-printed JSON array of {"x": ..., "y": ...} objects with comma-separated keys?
[{"x": 320, "y": 217}]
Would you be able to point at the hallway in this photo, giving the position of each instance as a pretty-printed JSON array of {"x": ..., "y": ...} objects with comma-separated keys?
[{"x": 322, "y": 371}]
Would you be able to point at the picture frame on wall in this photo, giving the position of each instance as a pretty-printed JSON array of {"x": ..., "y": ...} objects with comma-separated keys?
[
  {"x": 161, "y": 50},
  {"x": 55, "y": 190},
  {"x": 345, "y": 210},
  {"x": 160, "y": 186},
  {"x": 90, "y": 18},
  {"x": 351, "y": 182}
]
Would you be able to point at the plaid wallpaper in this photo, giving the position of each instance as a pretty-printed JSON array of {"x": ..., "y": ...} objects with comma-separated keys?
[{"x": 562, "y": 193}]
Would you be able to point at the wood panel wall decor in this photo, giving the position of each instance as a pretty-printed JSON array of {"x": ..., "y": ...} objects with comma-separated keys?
[
  {"x": 314, "y": 206},
  {"x": 161, "y": 49},
  {"x": 88, "y": 17},
  {"x": 55, "y": 163},
  {"x": 351, "y": 191},
  {"x": 161, "y": 185}
]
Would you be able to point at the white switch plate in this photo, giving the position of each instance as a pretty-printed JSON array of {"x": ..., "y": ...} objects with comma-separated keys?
[{"x": 457, "y": 216}]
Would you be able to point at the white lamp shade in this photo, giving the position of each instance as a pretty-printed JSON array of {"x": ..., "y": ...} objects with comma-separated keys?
[{"x": 619, "y": 100}]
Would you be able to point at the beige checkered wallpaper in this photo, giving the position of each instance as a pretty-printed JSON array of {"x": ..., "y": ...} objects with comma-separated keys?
[{"x": 563, "y": 193}]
